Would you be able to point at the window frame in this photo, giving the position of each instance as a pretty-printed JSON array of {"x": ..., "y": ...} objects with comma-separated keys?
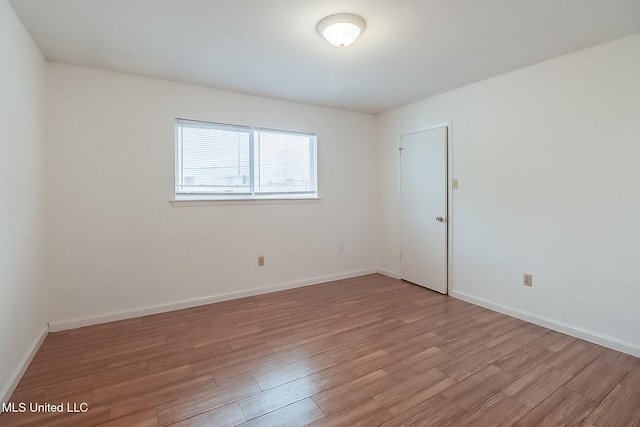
[{"x": 251, "y": 195}]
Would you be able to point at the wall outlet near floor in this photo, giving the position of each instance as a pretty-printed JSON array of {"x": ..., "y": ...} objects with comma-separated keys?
[
  {"x": 454, "y": 184},
  {"x": 528, "y": 280},
  {"x": 260, "y": 261}
]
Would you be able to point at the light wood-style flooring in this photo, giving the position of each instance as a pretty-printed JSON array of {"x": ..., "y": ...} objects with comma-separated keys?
[{"x": 364, "y": 351}]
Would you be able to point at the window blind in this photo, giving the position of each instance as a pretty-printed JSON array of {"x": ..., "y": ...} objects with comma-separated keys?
[{"x": 221, "y": 160}]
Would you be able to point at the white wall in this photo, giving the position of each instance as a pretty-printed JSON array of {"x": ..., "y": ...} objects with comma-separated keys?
[
  {"x": 117, "y": 245},
  {"x": 22, "y": 321},
  {"x": 548, "y": 162}
]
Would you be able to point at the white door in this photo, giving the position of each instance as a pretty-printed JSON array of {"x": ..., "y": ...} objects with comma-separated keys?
[{"x": 423, "y": 194}]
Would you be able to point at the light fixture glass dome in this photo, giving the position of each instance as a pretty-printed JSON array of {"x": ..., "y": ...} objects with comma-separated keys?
[{"x": 342, "y": 29}]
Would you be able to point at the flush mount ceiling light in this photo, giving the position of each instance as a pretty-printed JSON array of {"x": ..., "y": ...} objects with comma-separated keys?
[{"x": 342, "y": 29}]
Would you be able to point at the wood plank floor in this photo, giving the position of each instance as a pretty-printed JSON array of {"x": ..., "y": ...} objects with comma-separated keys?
[{"x": 365, "y": 351}]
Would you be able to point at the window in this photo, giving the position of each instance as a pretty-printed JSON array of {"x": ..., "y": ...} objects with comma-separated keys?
[{"x": 219, "y": 161}]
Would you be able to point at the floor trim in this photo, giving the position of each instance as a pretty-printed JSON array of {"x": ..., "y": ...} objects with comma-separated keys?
[
  {"x": 388, "y": 273},
  {"x": 11, "y": 385},
  {"x": 565, "y": 328},
  {"x": 94, "y": 320}
]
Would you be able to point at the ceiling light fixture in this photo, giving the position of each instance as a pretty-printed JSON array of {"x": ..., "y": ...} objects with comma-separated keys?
[{"x": 342, "y": 29}]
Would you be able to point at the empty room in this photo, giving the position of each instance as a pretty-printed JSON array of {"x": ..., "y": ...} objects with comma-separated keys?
[{"x": 320, "y": 212}]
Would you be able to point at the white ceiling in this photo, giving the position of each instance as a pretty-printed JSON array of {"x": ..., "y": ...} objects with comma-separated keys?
[{"x": 410, "y": 50}]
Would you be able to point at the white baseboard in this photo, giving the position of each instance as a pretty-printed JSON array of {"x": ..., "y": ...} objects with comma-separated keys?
[
  {"x": 11, "y": 385},
  {"x": 574, "y": 331},
  {"x": 104, "y": 318},
  {"x": 388, "y": 273}
]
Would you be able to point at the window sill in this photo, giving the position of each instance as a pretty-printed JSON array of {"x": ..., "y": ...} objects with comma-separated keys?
[{"x": 183, "y": 203}]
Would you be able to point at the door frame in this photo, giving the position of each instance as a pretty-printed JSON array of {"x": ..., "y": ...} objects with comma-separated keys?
[{"x": 449, "y": 126}]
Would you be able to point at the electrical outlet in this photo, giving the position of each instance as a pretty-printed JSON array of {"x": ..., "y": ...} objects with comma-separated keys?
[
  {"x": 528, "y": 280},
  {"x": 260, "y": 261},
  {"x": 454, "y": 184}
]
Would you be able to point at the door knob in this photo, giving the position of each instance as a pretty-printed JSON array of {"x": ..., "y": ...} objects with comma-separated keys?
[{"x": 439, "y": 219}]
